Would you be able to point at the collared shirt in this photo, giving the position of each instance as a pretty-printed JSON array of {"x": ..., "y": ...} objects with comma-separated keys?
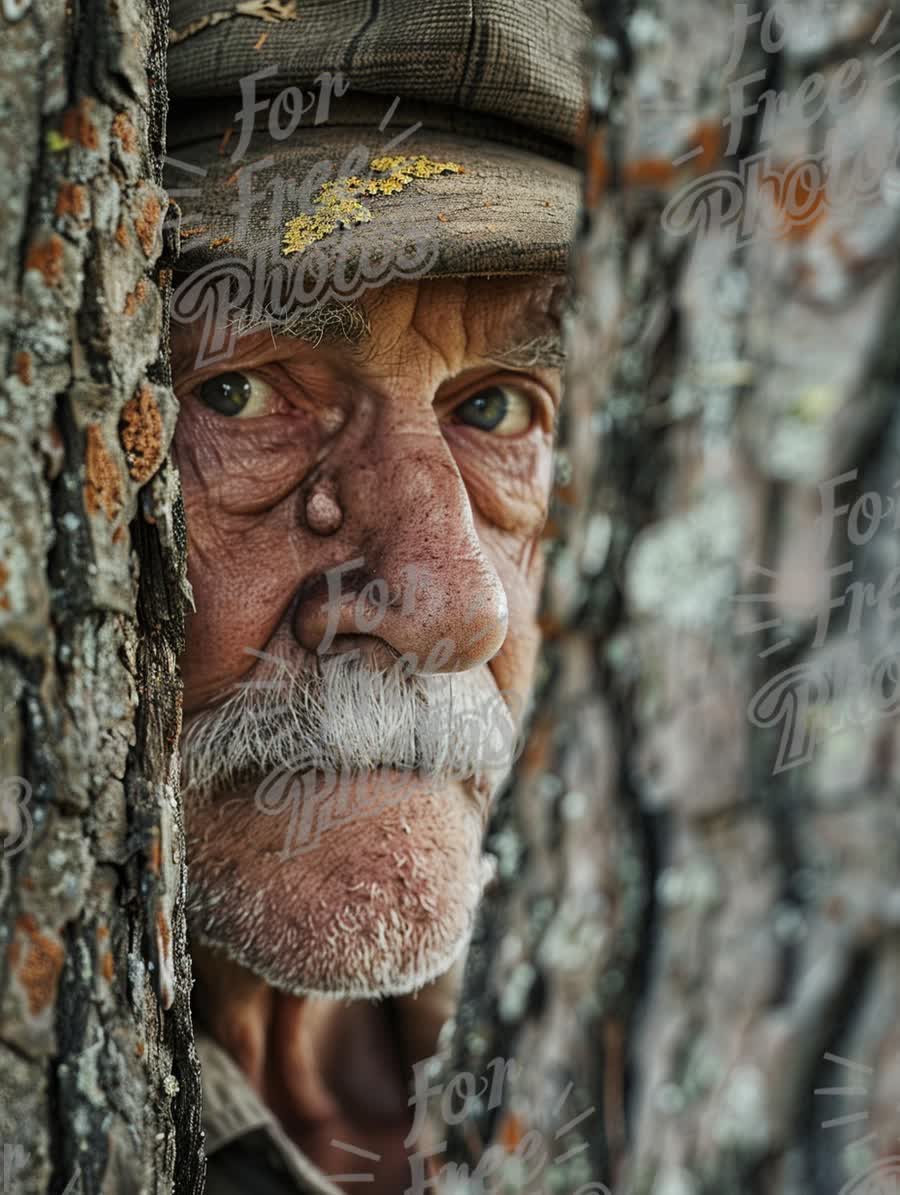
[{"x": 247, "y": 1150}]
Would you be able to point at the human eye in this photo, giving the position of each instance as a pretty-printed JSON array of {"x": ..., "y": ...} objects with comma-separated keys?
[
  {"x": 502, "y": 410},
  {"x": 238, "y": 395}
]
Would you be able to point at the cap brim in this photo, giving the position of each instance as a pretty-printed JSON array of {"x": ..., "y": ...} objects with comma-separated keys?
[{"x": 496, "y": 209}]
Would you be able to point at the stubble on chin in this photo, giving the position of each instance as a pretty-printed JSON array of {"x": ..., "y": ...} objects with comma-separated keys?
[{"x": 377, "y": 907}]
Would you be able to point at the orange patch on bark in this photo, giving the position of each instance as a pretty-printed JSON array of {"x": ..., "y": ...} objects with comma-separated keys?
[
  {"x": 122, "y": 237},
  {"x": 23, "y": 367},
  {"x": 134, "y": 300},
  {"x": 802, "y": 207},
  {"x": 41, "y": 965},
  {"x": 140, "y": 433},
  {"x": 596, "y": 168},
  {"x": 650, "y": 172},
  {"x": 124, "y": 131},
  {"x": 78, "y": 126},
  {"x": 71, "y": 200},
  {"x": 708, "y": 135},
  {"x": 147, "y": 223},
  {"x": 511, "y": 1132},
  {"x": 165, "y": 934},
  {"x": 103, "y": 488},
  {"x": 46, "y": 255},
  {"x": 107, "y": 969}
]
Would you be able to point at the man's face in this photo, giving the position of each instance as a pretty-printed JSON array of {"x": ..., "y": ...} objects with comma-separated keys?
[{"x": 384, "y": 498}]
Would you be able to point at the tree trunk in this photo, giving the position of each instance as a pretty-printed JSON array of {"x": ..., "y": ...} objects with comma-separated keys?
[
  {"x": 696, "y": 918},
  {"x": 98, "y": 1081}
]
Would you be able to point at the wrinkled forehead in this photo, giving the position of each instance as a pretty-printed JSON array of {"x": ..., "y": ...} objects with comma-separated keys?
[
  {"x": 486, "y": 310},
  {"x": 515, "y": 320}
]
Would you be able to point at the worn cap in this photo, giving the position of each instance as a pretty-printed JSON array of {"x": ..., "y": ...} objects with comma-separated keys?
[{"x": 348, "y": 142}]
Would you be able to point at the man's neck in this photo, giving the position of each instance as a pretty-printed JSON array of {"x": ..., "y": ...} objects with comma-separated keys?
[
  {"x": 310, "y": 1053},
  {"x": 329, "y": 1070}
]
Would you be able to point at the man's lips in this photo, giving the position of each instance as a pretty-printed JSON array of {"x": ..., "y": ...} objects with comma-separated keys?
[{"x": 308, "y": 803}]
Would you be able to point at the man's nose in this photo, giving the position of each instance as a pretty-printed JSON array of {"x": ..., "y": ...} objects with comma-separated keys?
[{"x": 414, "y": 573}]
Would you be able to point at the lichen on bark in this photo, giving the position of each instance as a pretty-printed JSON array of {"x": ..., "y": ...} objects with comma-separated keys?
[
  {"x": 98, "y": 1080},
  {"x": 709, "y": 939}
]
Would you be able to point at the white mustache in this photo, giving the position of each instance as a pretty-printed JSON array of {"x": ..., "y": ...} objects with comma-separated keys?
[{"x": 346, "y": 718}]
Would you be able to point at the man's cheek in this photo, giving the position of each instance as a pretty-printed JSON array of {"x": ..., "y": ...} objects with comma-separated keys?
[
  {"x": 232, "y": 468},
  {"x": 236, "y": 613},
  {"x": 514, "y": 665},
  {"x": 519, "y": 561},
  {"x": 519, "y": 565},
  {"x": 243, "y": 573},
  {"x": 203, "y": 475},
  {"x": 512, "y": 500}
]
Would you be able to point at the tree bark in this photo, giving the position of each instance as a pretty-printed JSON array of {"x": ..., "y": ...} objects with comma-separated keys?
[
  {"x": 99, "y": 1086},
  {"x": 696, "y": 918}
]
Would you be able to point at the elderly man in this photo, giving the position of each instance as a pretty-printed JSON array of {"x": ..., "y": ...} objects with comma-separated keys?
[{"x": 375, "y": 230}]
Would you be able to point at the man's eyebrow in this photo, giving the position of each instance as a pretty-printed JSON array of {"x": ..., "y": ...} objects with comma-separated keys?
[
  {"x": 333, "y": 322},
  {"x": 544, "y": 350}
]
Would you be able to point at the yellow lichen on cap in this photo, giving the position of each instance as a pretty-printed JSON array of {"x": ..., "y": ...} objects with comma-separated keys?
[
  {"x": 339, "y": 206},
  {"x": 336, "y": 210},
  {"x": 407, "y": 168}
]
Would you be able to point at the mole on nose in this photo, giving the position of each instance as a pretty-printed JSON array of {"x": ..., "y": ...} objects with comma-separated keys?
[{"x": 323, "y": 514}]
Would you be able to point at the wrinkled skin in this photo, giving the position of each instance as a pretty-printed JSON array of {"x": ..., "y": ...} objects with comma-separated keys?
[{"x": 384, "y": 435}]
